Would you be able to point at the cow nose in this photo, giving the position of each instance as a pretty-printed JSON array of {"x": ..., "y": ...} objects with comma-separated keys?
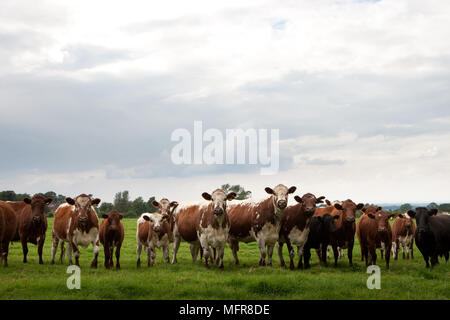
[
  {"x": 350, "y": 219},
  {"x": 218, "y": 211},
  {"x": 282, "y": 204},
  {"x": 382, "y": 229},
  {"x": 310, "y": 210},
  {"x": 37, "y": 219},
  {"x": 82, "y": 219}
]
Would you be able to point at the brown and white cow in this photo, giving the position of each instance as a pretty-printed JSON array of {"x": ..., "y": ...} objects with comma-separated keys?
[
  {"x": 154, "y": 230},
  {"x": 8, "y": 229},
  {"x": 204, "y": 225},
  {"x": 374, "y": 231},
  {"x": 403, "y": 231},
  {"x": 31, "y": 222},
  {"x": 295, "y": 227},
  {"x": 76, "y": 222},
  {"x": 259, "y": 221},
  {"x": 111, "y": 236},
  {"x": 344, "y": 235}
]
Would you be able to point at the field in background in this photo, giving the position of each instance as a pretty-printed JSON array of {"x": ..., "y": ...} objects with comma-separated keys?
[{"x": 407, "y": 279}]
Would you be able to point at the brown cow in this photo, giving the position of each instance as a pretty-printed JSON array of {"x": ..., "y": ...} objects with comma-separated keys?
[
  {"x": 8, "y": 229},
  {"x": 374, "y": 231},
  {"x": 368, "y": 209},
  {"x": 259, "y": 221},
  {"x": 295, "y": 227},
  {"x": 111, "y": 235},
  {"x": 154, "y": 230},
  {"x": 31, "y": 222},
  {"x": 344, "y": 235},
  {"x": 76, "y": 222},
  {"x": 403, "y": 231},
  {"x": 204, "y": 225}
]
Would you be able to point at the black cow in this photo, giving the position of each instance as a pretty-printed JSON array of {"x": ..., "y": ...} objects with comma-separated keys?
[
  {"x": 432, "y": 234},
  {"x": 319, "y": 237}
]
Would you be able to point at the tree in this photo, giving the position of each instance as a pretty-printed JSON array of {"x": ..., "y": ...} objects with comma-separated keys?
[
  {"x": 139, "y": 206},
  {"x": 121, "y": 202},
  {"x": 405, "y": 207},
  {"x": 240, "y": 191},
  {"x": 105, "y": 207},
  {"x": 444, "y": 207},
  {"x": 432, "y": 205}
]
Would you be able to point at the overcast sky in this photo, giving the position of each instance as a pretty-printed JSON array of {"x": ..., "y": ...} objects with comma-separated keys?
[{"x": 90, "y": 93}]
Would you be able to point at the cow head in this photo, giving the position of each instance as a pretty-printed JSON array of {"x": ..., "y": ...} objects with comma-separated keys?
[
  {"x": 371, "y": 209},
  {"x": 83, "y": 206},
  {"x": 423, "y": 216},
  {"x": 309, "y": 202},
  {"x": 219, "y": 199},
  {"x": 348, "y": 208},
  {"x": 382, "y": 219},
  {"x": 280, "y": 195},
  {"x": 159, "y": 222},
  {"x": 38, "y": 203},
  {"x": 164, "y": 206},
  {"x": 408, "y": 221},
  {"x": 328, "y": 222},
  {"x": 113, "y": 220}
]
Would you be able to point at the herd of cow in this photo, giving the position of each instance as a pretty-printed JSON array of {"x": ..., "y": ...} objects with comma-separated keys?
[{"x": 210, "y": 224}]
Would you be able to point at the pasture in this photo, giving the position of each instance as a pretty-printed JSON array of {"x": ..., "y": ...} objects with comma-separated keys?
[{"x": 407, "y": 279}]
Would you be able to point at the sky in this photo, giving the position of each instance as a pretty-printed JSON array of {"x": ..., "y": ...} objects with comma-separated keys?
[{"x": 90, "y": 93}]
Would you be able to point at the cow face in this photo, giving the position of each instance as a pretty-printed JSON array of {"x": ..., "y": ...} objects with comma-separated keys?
[
  {"x": 83, "y": 205},
  {"x": 165, "y": 206},
  {"x": 113, "y": 220},
  {"x": 38, "y": 203},
  {"x": 423, "y": 216},
  {"x": 280, "y": 195},
  {"x": 158, "y": 222},
  {"x": 382, "y": 219},
  {"x": 309, "y": 202},
  {"x": 328, "y": 222},
  {"x": 219, "y": 199},
  {"x": 407, "y": 220},
  {"x": 349, "y": 208}
]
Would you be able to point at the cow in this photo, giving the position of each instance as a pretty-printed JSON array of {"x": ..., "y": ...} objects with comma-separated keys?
[
  {"x": 76, "y": 222},
  {"x": 295, "y": 227},
  {"x": 403, "y": 230},
  {"x": 369, "y": 209},
  {"x": 320, "y": 229},
  {"x": 374, "y": 231},
  {"x": 31, "y": 222},
  {"x": 432, "y": 234},
  {"x": 344, "y": 235},
  {"x": 259, "y": 221},
  {"x": 155, "y": 230},
  {"x": 8, "y": 229},
  {"x": 111, "y": 235},
  {"x": 204, "y": 225}
]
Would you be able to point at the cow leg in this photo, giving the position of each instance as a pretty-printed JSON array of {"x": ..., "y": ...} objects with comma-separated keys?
[
  {"x": 220, "y": 255},
  {"x": 24, "y": 249},
  {"x": 280, "y": 253},
  {"x": 55, "y": 242},
  {"x": 194, "y": 251},
  {"x": 300, "y": 257},
  {"x": 307, "y": 257},
  {"x": 291, "y": 254},
  {"x": 269, "y": 254},
  {"x": 107, "y": 255},
  {"x": 382, "y": 251},
  {"x": 111, "y": 254},
  {"x": 69, "y": 254},
  {"x": 153, "y": 254},
  {"x": 176, "y": 245},
  {"x": 412, "y": 248},
  {"x": 61, "y": 254},
  {"x": 5, "y": 249},
  {"x": 373, "y": 254},
  {"x": 40, "y": 247},
  {"x": 118, "y": 256},
  {"x": 394, "y": 250},
  {"x": 388, "y": 256},
  {"x": 206, "y": 254},
  {"x": 434, "y": 260},
  {"x": 166, "y": 252},
  {"x": 138, "y": 252},
  {"x": 324, "y": 252},
  {"x": 96, "y": 250},
  {"x": 149, "y": 256},
  {"x": 335, "y": 254},
  {"x": 234, "y": 244},
  {"x": 350, "y": 253},
  {"x": 262, "y": 251},
  {"x": 407, "y": 251}
]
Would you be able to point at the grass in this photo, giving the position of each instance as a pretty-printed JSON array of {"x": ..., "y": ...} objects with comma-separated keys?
[{"x": 407, "y": 279}]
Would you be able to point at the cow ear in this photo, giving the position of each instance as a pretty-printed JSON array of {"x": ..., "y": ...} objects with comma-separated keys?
[
  {"x": 433, "y": 212},
  {"x": 27, "y": 200},
  {"x": 146, "y": 217},
  {"x": 298, "y": 199},
  {"x": 338, "y": 206},
  {"x": 155, "y": 203},
  {"x": 401, "y": 216},
  {"x": 292, "y": 189},
  {"x": 379, "y": 208},
  {"x": 411, "y": 213},
  {"x": 328, "y": 202},
  {"x": 360, "y": 206},
  {"x": 104, "y": 216},
  {"x": 95, "y": 202},
  {"x": 206, "y": 196},
  {"x": 269, "y": 190},
  {"x": 335, "y": 217},
  {"x": 371, "y": 215},
  {"x": 120, "y": 216},
  {"x": 364, "y": 210},
  {"x": 70, "y": 201},
  {"x": 174, "y": 204},
  {"x": 320, "y": 199},
  {"x": 231, "y": 195},
  {"x": 48, "y": 200}
]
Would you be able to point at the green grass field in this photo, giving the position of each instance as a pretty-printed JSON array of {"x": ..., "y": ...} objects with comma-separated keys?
[{"x": 407, "y": 279}]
